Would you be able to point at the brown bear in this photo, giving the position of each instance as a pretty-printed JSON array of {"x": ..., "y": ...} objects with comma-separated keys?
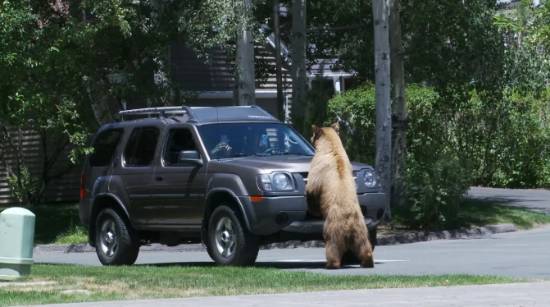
[{"x": 331, "y": 190}]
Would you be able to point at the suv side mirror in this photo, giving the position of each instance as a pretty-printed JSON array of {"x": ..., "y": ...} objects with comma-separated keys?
[{"x": 189, "y": 156}]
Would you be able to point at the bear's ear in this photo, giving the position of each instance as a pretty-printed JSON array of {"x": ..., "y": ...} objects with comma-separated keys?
[
  {"x": 316, "y": 129},
  {"x": 316, "y": 133},
  {"x": 336, "y": 126}
]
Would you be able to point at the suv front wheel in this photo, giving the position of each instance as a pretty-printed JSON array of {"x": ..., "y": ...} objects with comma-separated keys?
[
  {"x": 229, "y": 243},
  {"x": 116, "y": 243}
]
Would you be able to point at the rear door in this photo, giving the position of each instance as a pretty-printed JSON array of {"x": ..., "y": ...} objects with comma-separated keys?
[
  {"x": 137, "y": 172},
  {"x": 178, "y": 186}
]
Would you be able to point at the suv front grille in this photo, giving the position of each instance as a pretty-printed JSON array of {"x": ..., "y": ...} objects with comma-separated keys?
[{"x": 305, "y": 174}]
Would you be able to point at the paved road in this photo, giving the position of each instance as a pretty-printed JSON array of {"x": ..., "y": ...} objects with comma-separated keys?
[
  {"x": 528, "y": 294},
  {"x": 534, "y": 199},
  {"x": 518, "y": 254}
]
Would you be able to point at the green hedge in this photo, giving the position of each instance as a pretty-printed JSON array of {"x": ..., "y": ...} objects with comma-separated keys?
[
  {"x": 516, "y": 151},
  {"x": 452, "y": 146}
]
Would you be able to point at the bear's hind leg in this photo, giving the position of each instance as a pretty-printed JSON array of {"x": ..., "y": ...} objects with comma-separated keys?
[
  {"x": 363, "y": 250},
  {"x": 334, "y": 255}
]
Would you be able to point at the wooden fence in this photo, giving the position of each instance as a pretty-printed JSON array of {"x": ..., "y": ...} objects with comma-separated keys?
[{"x": 29, "y": 152}]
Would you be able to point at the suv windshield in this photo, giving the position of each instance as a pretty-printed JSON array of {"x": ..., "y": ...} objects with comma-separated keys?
[{"x": 230, "y": 140}]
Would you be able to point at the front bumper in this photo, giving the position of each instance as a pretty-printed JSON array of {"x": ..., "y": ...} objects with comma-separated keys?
[{"x": 289, "y": 214}]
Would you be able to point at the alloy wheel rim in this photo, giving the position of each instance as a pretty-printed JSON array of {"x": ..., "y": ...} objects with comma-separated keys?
[
  {"x": 225, "y": 237},
  {"x": 108, "y": 238}
]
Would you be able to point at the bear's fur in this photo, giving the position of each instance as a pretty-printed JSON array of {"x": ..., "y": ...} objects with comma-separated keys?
[{"x": 331, "y": 190}]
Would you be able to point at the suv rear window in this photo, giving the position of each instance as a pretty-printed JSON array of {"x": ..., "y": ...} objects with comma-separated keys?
[
  {"x": 141, "y": 146},
  {"x": 104, "y": 147}
]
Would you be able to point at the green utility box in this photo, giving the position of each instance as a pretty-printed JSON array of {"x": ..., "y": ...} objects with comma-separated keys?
[{"x": 16, "y": 242}]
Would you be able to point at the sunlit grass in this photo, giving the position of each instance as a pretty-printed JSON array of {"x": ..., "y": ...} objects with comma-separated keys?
[{"x": 110, "y": 283}]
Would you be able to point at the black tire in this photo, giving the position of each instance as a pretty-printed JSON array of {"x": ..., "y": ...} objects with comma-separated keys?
[
  {"x": 116, "y": 241},
  {"x": 228, "y": 242},
  {"x": 373, "y": 237}
]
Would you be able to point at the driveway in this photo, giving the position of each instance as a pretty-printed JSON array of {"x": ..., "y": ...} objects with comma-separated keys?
[
  {"x": 517, "y": 254},
  {"x": 534, "y": 199}
]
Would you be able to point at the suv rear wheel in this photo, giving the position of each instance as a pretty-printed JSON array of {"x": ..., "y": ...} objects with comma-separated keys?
[
  {"x": 116, "y": 243},
  {"x": 229, "y": 243}
]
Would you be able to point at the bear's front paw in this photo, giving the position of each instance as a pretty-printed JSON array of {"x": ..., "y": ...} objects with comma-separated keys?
[{"x": 333, "y": 265}]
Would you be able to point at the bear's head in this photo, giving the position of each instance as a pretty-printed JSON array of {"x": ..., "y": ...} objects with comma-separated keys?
[{"x": 318, "y": 132}]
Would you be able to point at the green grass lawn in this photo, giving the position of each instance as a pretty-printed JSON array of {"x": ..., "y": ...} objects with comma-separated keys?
[{"x": 114, "y": 283}]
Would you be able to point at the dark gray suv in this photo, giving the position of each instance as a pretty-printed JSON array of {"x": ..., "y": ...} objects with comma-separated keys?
[{"x": 230, "y": 177}]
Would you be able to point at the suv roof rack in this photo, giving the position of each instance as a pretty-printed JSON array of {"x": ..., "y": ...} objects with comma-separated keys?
[
  {"x": 202, "y": 114},
  {"x": 157, "y": 111}
]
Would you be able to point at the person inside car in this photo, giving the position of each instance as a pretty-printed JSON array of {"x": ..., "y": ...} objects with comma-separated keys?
[{"x": 222, "y": 149}]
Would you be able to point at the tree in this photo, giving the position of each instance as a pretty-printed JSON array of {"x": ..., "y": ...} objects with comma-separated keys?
[
  {"x": 380, "y": 10},
  {"x": 246, "y": 82},
  {"x": 527, "y": 64},
  {"x": 298, "y": 39},
  {"x": 399, "y": 107},
  {"x": 66, "y": 67},
  {"x": 278, "y": 60}
]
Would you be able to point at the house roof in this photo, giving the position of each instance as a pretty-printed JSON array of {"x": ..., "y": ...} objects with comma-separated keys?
[{"x": 328, "y": 68}]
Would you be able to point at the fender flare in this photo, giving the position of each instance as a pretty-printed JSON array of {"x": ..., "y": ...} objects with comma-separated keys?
[{"x": 96, "y": 207}]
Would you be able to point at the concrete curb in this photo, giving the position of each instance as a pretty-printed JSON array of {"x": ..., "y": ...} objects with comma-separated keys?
[
  {"x": 383, "y": 239},
  {"x": 415, "y": 236}
]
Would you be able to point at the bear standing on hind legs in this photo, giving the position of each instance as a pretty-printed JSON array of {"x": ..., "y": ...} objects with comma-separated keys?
[{"x": 331, "y": 187}]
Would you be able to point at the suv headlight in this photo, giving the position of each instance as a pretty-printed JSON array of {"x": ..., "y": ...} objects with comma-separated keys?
[
  {"x": 370, "y": 178},
  {"x": 276, "y": 182}
]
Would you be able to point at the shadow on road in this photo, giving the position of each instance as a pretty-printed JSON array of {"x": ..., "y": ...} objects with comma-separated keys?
[{"x": 260, "y": 264}]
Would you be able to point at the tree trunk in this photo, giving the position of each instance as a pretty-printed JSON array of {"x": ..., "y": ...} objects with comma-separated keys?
[
  {"x": 298, "y": 68},
  {"x": 383, "y": 107},
  {"x": 278, "y": 62},
  {"x": 399, "y": 107},
  {"x": 246, "y": 84}
]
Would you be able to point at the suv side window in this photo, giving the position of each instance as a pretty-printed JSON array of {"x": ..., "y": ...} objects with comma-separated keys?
[
  {"x": 179, "y": 139},
  {"x": 141, "y": 146},
  {"x": 104, "y": 147}
]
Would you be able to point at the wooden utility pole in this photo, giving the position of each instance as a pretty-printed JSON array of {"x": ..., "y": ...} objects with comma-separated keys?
[
  {"x": 298, "y": 69},
  {"x": 399, "y": 107},
  {"x": 246, "y": 84},
  {"x": 278, "y": 62},
  {"x": 380, "y": 9}
]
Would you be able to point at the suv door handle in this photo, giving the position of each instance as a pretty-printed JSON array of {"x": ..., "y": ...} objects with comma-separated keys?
[{"x": 159, "y": 178}]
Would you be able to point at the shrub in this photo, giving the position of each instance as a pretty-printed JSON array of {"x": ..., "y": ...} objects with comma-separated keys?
[
  {"x": 435, "y": 176},
  {"x": 481, "y": 140},
  {"x": 356, "y": 108},
  {"x": 510, "y": 148},
  {"x": 23, "y": 185}
]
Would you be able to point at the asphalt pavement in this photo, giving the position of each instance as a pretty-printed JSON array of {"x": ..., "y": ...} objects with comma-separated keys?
[
  {"x": 516, "y": 254},
  {"x": 533, "y": 199}
]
